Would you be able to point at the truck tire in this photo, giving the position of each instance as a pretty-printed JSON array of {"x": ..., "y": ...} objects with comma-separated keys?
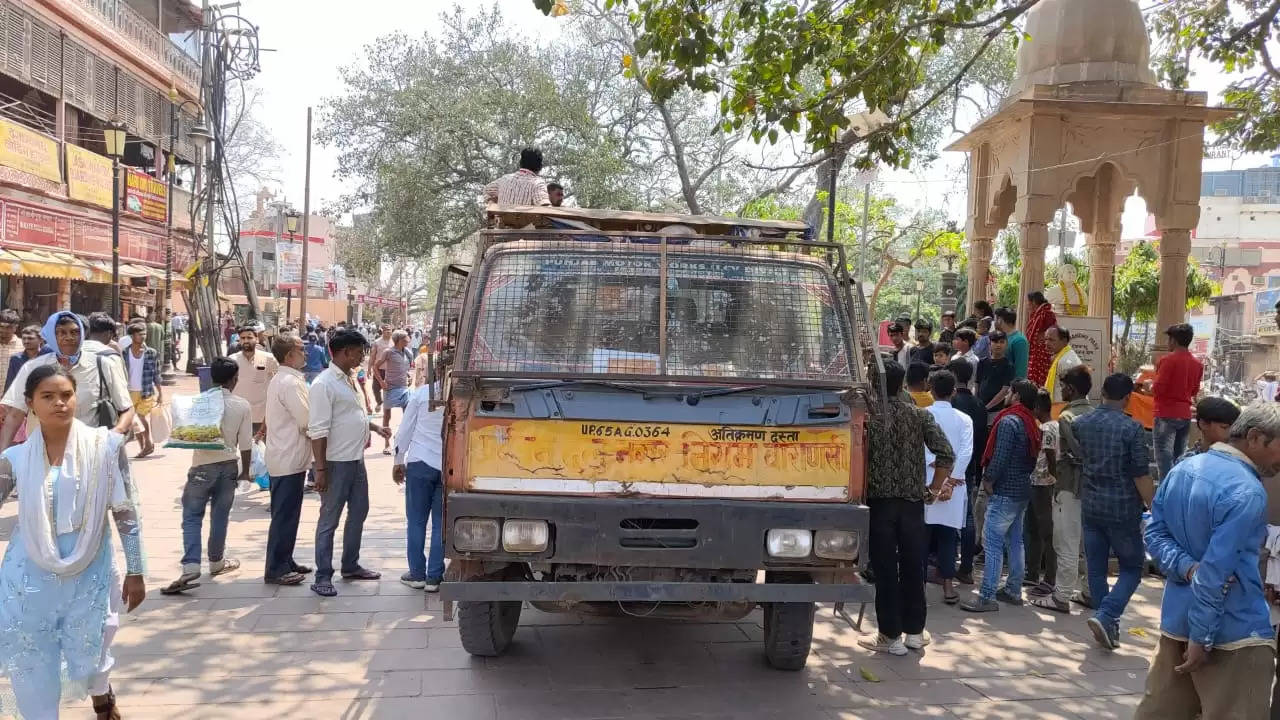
[
  {"x": 788, "y": 633},
  {"x": 487, "y": 627}
]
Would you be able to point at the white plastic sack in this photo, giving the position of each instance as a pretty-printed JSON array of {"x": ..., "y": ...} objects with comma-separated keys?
[{"x": 197, "y": 421}]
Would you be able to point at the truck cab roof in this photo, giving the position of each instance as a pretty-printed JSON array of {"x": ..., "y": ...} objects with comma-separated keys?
[{"x": 629, "y": 221}]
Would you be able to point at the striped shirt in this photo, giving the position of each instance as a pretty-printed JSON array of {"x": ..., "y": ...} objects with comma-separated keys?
[{"x": 522, "y": 187}]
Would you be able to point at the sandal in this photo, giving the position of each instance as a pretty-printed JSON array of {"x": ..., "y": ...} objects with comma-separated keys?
[
  {"x": 362, "y": 574},
  {"x": 324, "y": 588},
  {"x": 951, "y": 599},
  {"x": 181, "y": 585},
  {"x": 301, "y": 569},
  {"x": 228, "y": 565},
  {"x": 1049, "y": 602},
  {"x": 105, "y": 705},
  {"x": 289, "y": 578}
]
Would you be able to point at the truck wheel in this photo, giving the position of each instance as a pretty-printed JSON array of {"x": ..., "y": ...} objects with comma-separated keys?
[
  {"x": 788, "y": 633},
  {"x": 487, "y": 627}
]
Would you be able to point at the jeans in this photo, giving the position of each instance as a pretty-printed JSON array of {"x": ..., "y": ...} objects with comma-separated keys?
[
  {"x": 423, "y": 499},
  {"x": 1003, "y": 531},
  {"x": 1170, "y": 439},
  {"x": 1125, "y": 540},
  {"x": 1066, "y": 543},
  {"x": 1042, "y": 563},
  {"x": 942, "y": 542},
  {"x": 968, "y": 538},
  {"x": 348, "y": 488},
  {"x": 897, "y": 548},
  {"x": 213, "y": 484},
  {"x": 286, "y": 509}
]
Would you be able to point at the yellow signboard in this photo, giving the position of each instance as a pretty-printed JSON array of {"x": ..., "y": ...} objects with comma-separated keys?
[
  {"x": 623, "y": 454},
  {"x": 88, "y": 176},
  {"x": 29, "y": 151}
]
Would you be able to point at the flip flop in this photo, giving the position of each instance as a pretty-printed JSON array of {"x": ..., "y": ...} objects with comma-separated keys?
[
  {"x": 301, "y": 569},
  {"x": 324, "y": 589},
  {"x": 181, "y": 585},
  {"x": 228, "y": 565},
  {"x": 362, "y": 574}
]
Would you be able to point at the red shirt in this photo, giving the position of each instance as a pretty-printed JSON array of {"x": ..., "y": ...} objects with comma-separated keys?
[{"x": 1177, "y": 382}]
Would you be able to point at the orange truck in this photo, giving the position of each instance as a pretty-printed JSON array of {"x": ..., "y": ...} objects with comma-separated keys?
[{"x": 654, "y": 415}]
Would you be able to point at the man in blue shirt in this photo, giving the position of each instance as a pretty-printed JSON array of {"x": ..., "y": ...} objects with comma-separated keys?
[
  {"x": 317, "y": 358},
  {"x": 1116, "y": 485},
  {"x": 1208, "y": 523},
  {"x": 1019, "y": 352},
  {"x": 1010, "y": 455}
]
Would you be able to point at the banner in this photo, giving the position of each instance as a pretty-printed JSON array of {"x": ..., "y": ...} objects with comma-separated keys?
[
  {"x": 1264, "y": 312},
  {"x": 145, "y": 196},
  {"x": 288, "y": 265},
  {"x": 88, "y": 176},
  {"x": 29, "y": 151}
]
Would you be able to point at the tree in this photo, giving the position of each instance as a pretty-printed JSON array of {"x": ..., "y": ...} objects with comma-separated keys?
[
  {"x": 424, "y": 124},
  {"x": 1137, "y": 287},
  {"x": 785, "y": 67},
  {"x": 1241, "y": 36}
]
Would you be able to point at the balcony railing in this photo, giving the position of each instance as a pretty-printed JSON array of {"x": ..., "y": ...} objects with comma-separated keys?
[{"x": 146, "y": 37}]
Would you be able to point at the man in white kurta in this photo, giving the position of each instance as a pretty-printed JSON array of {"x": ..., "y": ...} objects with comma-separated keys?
[{"x": 945, "y": 516}]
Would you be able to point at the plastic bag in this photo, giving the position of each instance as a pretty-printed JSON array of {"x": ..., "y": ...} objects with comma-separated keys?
[
  {"x": 160, "y": 424},
  {"x": 258, "y": 466},
  {"x": 197, "y": 421}
]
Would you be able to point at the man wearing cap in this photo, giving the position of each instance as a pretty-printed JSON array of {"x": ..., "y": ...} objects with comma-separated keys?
[
  {"x": 948, "y": 327},
  {"x": 1177, "y": 382}
]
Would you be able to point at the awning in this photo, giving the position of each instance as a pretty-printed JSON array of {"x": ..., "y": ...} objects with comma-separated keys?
[{"x": 53, "y": 264}]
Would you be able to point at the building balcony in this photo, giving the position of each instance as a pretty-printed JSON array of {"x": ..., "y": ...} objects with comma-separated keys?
[{"x": 145, "y": 34}]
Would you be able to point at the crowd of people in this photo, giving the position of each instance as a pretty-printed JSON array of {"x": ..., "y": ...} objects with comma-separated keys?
[
  {"x": 78, "y": 389},
  {"x": 990, "y": 451}
]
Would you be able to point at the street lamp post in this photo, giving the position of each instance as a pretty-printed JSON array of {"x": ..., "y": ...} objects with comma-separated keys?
[
  {"x": 291, "y": 224},
  {"x": 198, "y": 137},
  {"x": 114, "y": 136},
  {"x": 919, "y": 292}
]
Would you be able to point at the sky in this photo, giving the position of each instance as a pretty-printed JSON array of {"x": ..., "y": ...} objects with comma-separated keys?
[{"x": 310, "y": 40}]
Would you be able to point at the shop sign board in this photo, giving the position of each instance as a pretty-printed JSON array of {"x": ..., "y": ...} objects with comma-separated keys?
[
  {"x": 1264, "y": 312},
  {"x": 88, "y": 176},
  {"x": 288, "y": 265},
  {"x": 27, "y": 226},
  {"x": 28, "y": 151},
  {"x": 145, "y": 196}
]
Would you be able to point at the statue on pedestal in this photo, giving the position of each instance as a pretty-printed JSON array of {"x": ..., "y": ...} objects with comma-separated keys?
[{"x": 1067, "y": 296}]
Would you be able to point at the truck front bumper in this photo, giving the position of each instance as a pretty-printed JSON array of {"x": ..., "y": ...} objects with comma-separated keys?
[{"x": 574, "y": 592}]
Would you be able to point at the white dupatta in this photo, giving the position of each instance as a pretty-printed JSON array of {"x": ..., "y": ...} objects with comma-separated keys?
[{"x": 92, "y": 454}]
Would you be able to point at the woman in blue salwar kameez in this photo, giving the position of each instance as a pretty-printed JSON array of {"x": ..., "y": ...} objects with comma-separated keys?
[{"x": 60, "y": 592}]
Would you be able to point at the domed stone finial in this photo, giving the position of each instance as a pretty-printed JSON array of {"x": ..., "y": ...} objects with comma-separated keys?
[{"x": 1084, "y": 41}]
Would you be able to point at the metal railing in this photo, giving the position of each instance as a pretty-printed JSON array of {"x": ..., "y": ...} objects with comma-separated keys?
[{"x": 146, "y": 37}]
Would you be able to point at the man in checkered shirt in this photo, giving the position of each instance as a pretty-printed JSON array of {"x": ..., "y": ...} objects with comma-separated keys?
[{"x": 522, "y": 187}]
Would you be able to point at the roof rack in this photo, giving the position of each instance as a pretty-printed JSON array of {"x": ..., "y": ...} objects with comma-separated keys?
[{"x": 515, "y": 216}]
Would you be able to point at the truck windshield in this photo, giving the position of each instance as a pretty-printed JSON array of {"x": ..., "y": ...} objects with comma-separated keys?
[{"x": 597, "y": 313}]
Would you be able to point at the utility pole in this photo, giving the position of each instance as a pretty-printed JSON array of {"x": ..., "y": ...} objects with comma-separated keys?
[{"x": 306, "y": 229}]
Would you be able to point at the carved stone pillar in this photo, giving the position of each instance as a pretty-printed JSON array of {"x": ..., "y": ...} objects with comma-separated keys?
[
  {"x": 979, "y": 267},
  {"x": 1032, "y": 243},
  {"x": 1102, "y": 268},
  {"x": 1175, "y": 246}
]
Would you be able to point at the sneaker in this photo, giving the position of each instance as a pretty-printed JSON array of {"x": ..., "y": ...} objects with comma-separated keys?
[
  {"x": 979, "y": 604},
  {"x": 1107, "y": 636},
  {"x": 1005, "y": 596},
  {"x": 917, "y": 642},
  {"x": 409, "y": 580},
  {"x": 431, "y": 585},
  {"x": 880, "y": 643}
]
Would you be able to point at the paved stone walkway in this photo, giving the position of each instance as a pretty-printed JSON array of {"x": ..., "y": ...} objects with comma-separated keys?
[{"x": 236, "y": 648}]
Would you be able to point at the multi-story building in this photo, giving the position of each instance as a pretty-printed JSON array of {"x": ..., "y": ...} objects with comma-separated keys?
[{"x": 68, "y": 69}]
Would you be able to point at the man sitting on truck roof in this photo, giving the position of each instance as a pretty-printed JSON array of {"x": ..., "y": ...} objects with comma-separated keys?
[{"x": 522, "y": 187}]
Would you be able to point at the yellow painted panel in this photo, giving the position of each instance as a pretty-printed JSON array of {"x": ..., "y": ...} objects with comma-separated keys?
[{"x": 660, "y": 452}]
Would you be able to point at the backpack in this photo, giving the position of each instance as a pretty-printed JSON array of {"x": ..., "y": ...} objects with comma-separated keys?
[{"x": 104, "y": 410}]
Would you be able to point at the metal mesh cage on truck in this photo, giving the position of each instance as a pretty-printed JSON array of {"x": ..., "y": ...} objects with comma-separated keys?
[{"x": 557, "y": 303}]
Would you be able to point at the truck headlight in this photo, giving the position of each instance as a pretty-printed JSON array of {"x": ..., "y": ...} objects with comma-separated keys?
[
  {"x": 789, "y": 543},
  {"x": 835, "y": 544},
  {"x": 475, "y": 534},
  {"x": 525, "y": 535}
]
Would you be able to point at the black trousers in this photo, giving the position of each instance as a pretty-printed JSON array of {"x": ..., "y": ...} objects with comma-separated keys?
[
  {"x": 1042, "y": 561},
  {"x": 899, "y": 542},
  {"x": 286, "y": 510}
]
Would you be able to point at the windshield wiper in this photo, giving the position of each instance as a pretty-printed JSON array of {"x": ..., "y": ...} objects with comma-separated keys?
[
  {"x": 562, "y": 383},
  {"x": 693, "y": 397}
]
